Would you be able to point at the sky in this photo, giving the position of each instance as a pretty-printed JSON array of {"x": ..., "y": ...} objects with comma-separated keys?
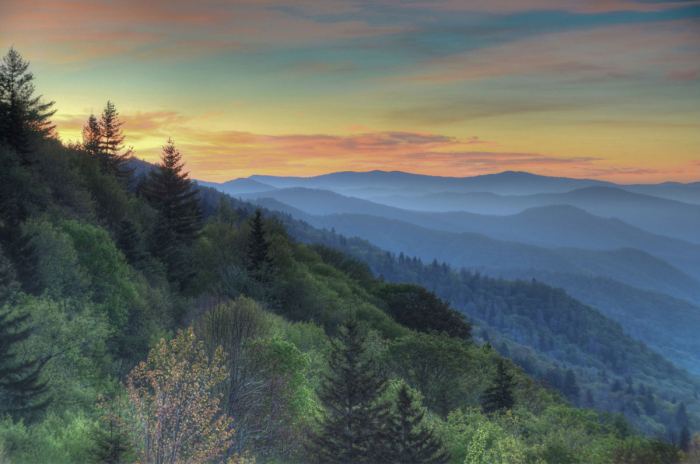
[{"x": 606, "y": 89}]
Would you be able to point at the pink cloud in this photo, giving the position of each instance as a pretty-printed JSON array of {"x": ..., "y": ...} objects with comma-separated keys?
[
  {"x": 576, "y": 6},
  {"x": 630, "y": 51},
  {"x": 80, "y": 30}
]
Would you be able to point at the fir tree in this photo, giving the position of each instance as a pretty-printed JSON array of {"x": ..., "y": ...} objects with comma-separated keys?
[
  {"x": 408, "y": 441},
  {"x": 22, "y": 392},
  {"x": 22, "y": 114},
  {"x": 130, "y": 243},
  {"x": 174, "y": 195},
  {"x": 681, "y": 415},
  {"x": 258, "y": 248},
  {"x": 111, "y": 442},
  {"x": 684, "y": 439},
  {"x": 499, "y": 396},
  {"x": 353, "y": 430},
  {"x": 111, "y": 142},
  {"x": 571, "y": 388},
  {"x": 92, "y": 136}
]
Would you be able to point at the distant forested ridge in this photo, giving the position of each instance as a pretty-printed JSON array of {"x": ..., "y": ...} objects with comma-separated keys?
[{"x": 144, "y": 319}]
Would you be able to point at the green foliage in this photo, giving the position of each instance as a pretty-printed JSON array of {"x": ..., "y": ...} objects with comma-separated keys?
[
  {"x": 72, "y": 338},
  {"x": 542, "y": 328},
  {"x": 436, "y": 365},
  {"x": 418, "y": 309},
  {"x": 57, "y": 439}
]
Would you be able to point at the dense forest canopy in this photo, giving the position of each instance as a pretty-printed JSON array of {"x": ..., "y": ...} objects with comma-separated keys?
[{"x": 145, "y": 320}]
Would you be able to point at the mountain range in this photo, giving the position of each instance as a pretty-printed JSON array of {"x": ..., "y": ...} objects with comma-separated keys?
[{"x": 631, "y": 251}]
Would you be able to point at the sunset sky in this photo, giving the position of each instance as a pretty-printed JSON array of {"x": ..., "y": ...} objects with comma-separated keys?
[{"x": 607, "y": 89}]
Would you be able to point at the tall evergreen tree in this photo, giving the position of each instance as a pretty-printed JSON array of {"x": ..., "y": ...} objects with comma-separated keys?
[
  {"x": 353, "y": 430},
  {"x": 258, "y": 248},
  {"x": 499, "y": 396},
  {"x": 170, "y": 191},
  {"x": 92, "y": 136},
  {"x": 111, "y": 442},
  {"x": 684, "y": 439},
  {"x": 130, "y": 243},
  {"x": 407, "y": 438},
  {"x": 174, "y": 195},
  {"x": 22, "y": 114},
  {"x": 22, "y": 392},
  {"x": 111, "y": 142},
  {"x": 571, "y": 388}
]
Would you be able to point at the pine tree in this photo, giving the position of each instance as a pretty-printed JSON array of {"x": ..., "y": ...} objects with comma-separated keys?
[
  {"x": 111, "y": 142},
  {"x": 571, "y": 388},
  {"x": 111, "y": 442},
  {"x": 258, "y": 248},
  {"x": 681, "y": 415},
  {"x": 684, "y": 439},
  {"x": 92, "y": 136},
  {"x": 22, "y": 114},
  {"x": 499, "y": 396},
  {"x": 22, "y": 392},
  {"x": 174, "y": 195},
  {"x": 170, "y": 191},
  {"x": 130, "y": 243},
  {"x": 353, "y": 430},
  {"x": 407, "y": 438}
]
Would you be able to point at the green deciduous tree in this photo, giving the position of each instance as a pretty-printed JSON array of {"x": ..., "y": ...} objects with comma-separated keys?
[
  {"x": 417, "y": 308},
  {"x": 436, "y": 365}
]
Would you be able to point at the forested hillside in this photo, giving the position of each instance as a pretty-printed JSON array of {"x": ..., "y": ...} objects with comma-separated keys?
[
  {"x": 551, "y": 335},
  {"x": 142, "y": 320}
]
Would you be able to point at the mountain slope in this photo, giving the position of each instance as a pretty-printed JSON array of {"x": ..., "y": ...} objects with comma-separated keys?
[
  {"x": 545, "y": 226},
  {"x": 477, "y": 251},
  {"x": 667, "y": 324},
  {"x": 657, "y": 215},
  {"x": 540, "y": 327}
]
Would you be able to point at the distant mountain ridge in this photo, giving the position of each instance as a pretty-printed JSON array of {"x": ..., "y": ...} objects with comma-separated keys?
[
  {"x": 621, "y": 248},
  {"x": 504, "y": 183},
  {"x": 545, "y": 226}
]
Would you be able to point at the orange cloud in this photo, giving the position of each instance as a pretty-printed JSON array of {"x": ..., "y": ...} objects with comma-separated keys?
[{"x": 222, "y": 155}]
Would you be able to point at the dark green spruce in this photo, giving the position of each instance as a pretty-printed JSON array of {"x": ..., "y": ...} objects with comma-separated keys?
[
  {"x": 409, "y": 441},
  {"x": 22, "y": 391},
  {"x": 258, "y": 252},
  {"x": 498, "y": 397},
  {"x": 111, "y": 151},
  {"x": 24, "y": 117},
  {"x": 353, "y": 430},
  {"x": 171, "y": 192}
]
